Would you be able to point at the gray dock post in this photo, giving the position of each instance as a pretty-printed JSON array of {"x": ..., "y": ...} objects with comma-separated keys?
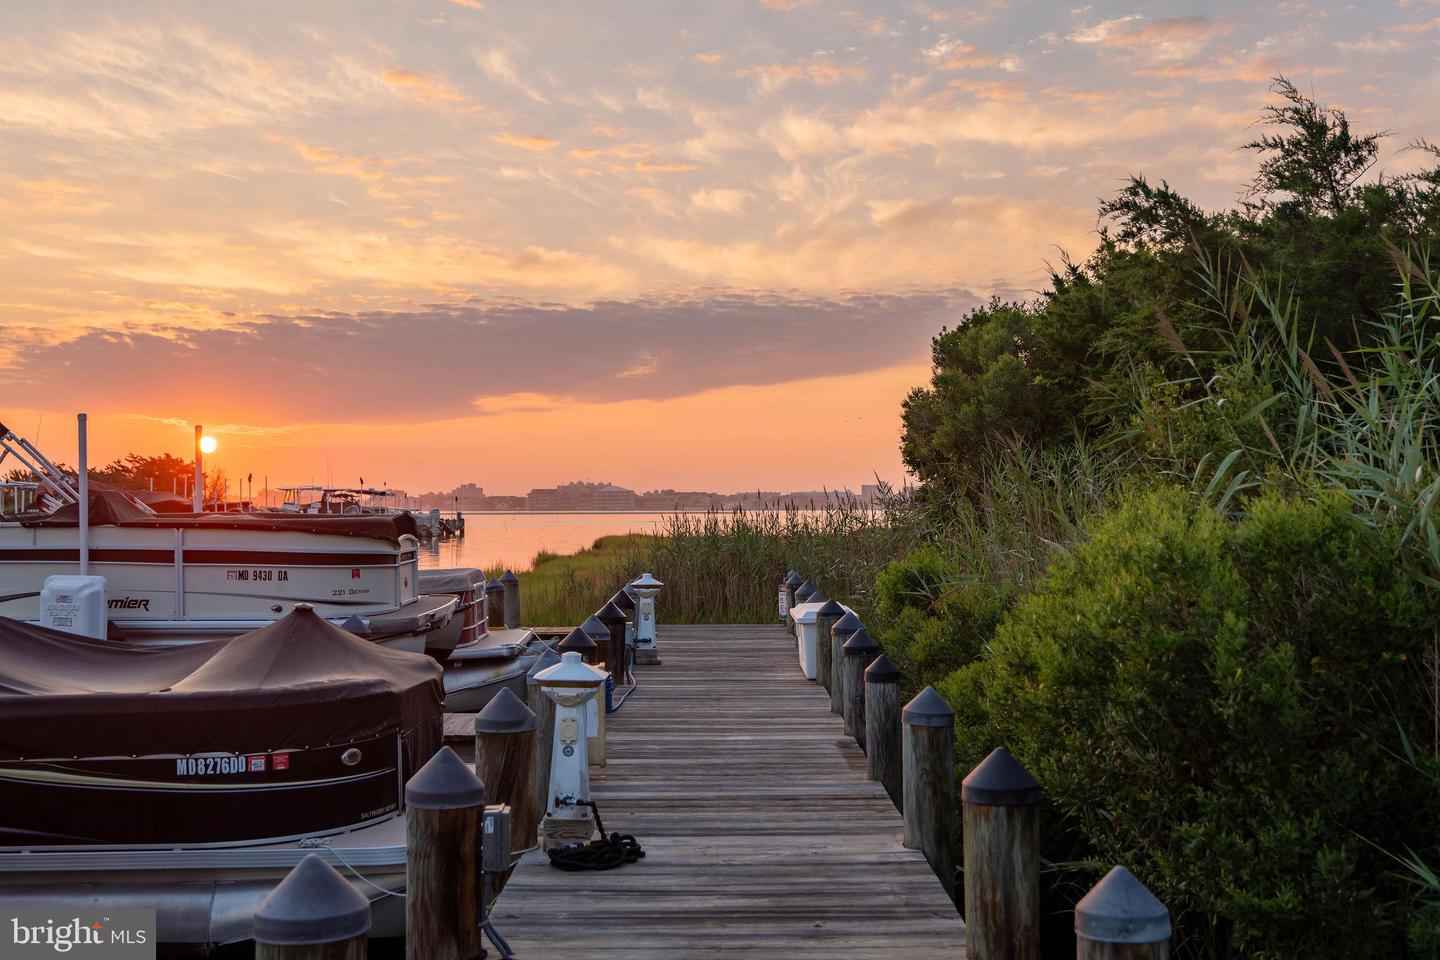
[
  {"x": 858, "y": 652},
  {"x": 826, "y": 666},
  {"x": 882, "y": 728},
  {"x": 445, "y": 804},
  {"x": 615, "y": 622},
  {"x": 495, "y": 605},
  {"x": 1121, "y": 920},
  {"x": 512, "y": 599},
  {"x": 929, "y": 778},
  {"x": 314, "y": 914},
  {"x": 787, "y": 588},
  {"x": 802, "y": 592},
  {"x": 505, "y": 750},
  {"x": 544, "y": 709},
  {"x": 1002, "y": 860}
]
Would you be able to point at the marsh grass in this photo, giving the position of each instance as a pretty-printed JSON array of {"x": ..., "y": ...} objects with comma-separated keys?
[{"x": 723, "y": 566}]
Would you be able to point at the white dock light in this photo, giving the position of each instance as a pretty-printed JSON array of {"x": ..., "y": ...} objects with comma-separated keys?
[
  {"x": 572, "y": 684},
  {"x": 646, "y": 588}
]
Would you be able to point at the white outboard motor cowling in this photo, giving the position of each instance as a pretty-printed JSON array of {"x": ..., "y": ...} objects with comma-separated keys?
[{"x": 75, "y": 604}]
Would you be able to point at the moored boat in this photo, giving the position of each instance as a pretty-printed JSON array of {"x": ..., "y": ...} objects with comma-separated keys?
[
  {"x": 191, "y": 779},
  {"x": 178, "y": 578}
]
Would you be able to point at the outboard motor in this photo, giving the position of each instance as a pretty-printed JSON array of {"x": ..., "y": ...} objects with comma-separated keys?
[{"x": 75, "y": 604}]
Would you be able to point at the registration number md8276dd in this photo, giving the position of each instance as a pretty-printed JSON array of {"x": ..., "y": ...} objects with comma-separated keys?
[{"x": 209, "y": 766}]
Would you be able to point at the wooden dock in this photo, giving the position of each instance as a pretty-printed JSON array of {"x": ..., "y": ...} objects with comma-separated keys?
[{"x": 762, "y": 836}]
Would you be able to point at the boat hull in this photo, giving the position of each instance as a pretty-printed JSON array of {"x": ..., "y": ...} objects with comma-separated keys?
[{"x": 205, "y": 898}]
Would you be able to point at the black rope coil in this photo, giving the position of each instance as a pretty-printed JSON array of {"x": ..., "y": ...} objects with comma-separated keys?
[{"x": 607, "y": 853}]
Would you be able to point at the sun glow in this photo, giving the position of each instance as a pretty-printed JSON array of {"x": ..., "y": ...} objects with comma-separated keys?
[{"x": 208, "y": 444}]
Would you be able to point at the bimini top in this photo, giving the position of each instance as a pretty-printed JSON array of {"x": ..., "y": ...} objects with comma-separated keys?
[
  {"x": 115, "y": 508},
  {"x": 297, "y": 683}
]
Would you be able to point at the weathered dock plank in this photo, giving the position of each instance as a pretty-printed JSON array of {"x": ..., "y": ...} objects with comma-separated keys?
[{"x": 763, "y": 838}]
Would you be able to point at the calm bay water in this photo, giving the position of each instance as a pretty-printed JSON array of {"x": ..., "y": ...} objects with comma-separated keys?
[{"x": 513, "y": 539}]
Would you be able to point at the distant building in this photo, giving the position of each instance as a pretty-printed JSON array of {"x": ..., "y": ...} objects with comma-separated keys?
[{"x": 581, "y": 497}]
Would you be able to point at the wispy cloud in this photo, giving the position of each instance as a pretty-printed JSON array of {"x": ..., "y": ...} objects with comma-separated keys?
[{"x": 420, "y": 86}]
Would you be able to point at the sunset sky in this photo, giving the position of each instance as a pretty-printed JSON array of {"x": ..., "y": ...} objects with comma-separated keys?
[{"x": 666, "y": 244}]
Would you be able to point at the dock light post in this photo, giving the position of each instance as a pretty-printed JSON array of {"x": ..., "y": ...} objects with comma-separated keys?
[
  {"x": 573, "y": 685},
  {"x": 647, "y": 588},
  {"x": 581, "y": 642}
]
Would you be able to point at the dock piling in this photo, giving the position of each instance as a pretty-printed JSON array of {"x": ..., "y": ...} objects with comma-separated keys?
[
  {"x": 929, "y": 786},
  {"x": 858, "y": 652},
  {"x": 314, "y": 914},
  {"x": 495, "y": 605},
  {"x": 511, "y": 584},
  {"x": 544, "y": 709},
  {"x": 1002, "y": 878},
  {"x": 1121, "y": 920},
  {"x": 882, "y": 728},
  {"x": 505, "y": 734},
  {"x": 825, "y": 618},
  {"x": 443, "y": 905}
]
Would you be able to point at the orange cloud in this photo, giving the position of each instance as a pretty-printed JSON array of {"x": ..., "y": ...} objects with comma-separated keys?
[
  {"x": 525, "y": 141},
  {"x": 419, "y": 86},
  {"x": 819, "y": 72},
  {"x": 651, "y": 167},
  {"x": 327, "y": 161},
  {"x": 709, "y": 57}
]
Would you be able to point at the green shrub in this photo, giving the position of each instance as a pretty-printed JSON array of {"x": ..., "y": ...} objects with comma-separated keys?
[
  {"x": 1225, "y": 706},
  {"x": 934, "y": 622}
]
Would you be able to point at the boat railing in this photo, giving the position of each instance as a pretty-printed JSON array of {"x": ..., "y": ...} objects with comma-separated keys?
[{"x": 58, "y": 488}]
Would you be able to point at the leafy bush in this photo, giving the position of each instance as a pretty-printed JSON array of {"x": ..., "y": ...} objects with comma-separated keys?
[{"x": 1223, "y": 705}]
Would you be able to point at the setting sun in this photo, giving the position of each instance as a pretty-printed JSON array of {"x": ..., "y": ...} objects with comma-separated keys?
[{"x": 208, "y": 444}]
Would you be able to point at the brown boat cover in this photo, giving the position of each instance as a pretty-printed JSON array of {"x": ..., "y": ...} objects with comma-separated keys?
[
  {"x": 114, "y": 508},
  {"x": 298, "y": 683}
]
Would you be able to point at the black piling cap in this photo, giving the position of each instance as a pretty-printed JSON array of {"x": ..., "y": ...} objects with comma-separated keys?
[
  {"x": 1119, "y": 909},
  {"x": 594, "y": 629},
  {"x": 803, "y": 591},
  {"x": 580, "y": 642},
  {"x": 312, "y": 905},
  {"x": 445, "y": 783},
  {"x": 830, "y": 609},
  {"x": 494, "y": 586},
  {"x": 1000, "y": 781},
  {"x": 505, "y": 713},
  {"x": 860, "y": 644},
  {"x": 816, "y": 597},
  {"x": 610, "y": 614},
  {"x": 509, "y": 578},
  {"x": 793, "y": 580},
  {"x": 882, "y": 671},
  {"x": 928, "y": 709},
  {"x": 846, "y": 625},
  {"x": 545, "y": 661},
  {"x": 624, "y": 601}
]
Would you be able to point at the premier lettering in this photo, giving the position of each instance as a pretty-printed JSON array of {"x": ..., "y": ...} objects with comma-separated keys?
[{"x": 129, "y": 603}]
